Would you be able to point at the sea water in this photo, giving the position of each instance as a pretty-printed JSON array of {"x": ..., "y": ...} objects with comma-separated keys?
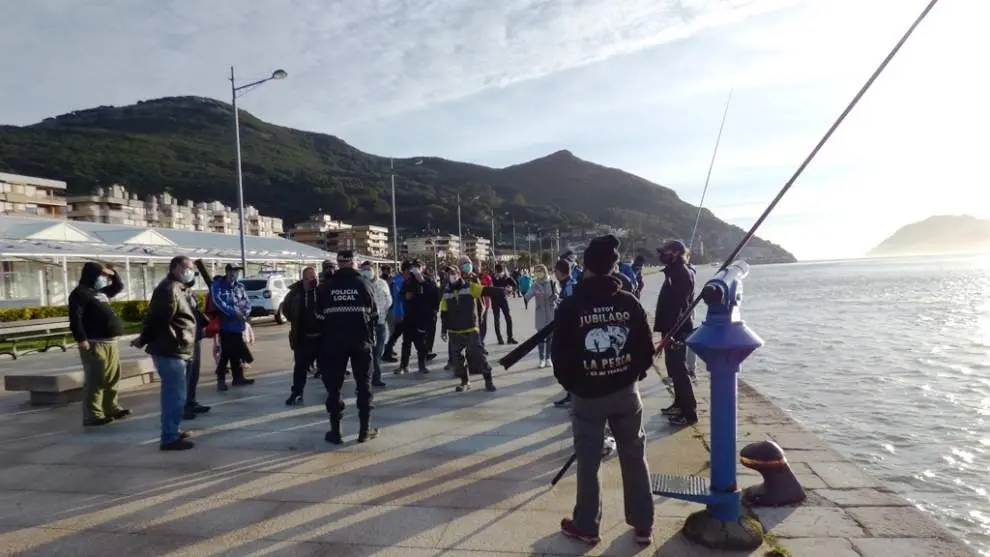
[{"x": 889, "y": 360}]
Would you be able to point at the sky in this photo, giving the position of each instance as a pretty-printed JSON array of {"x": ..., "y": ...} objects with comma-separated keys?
[{"x": 637, "y": 84}]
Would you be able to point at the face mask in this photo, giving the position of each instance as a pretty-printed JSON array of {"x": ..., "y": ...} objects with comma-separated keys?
[
  {"x": 101, "y": 282},
  {"x": 453, "y": 279},
  {"x": 188, "y": 276},
  {"x": 366, "y": 273},
  {"x": 467, "y": 267}
]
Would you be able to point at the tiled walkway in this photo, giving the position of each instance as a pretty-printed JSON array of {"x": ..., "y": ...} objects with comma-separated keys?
[{"x": 453, "y": 474}]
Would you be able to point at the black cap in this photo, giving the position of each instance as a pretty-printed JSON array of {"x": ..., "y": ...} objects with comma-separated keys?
[
  {"x": 345, "y": 256},
  {"x": 231, "y": 267},
  {"x": 366, "y": 263}
]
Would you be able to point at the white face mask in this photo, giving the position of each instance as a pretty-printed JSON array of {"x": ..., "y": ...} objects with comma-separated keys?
[
  {"x": 453, "y": 279},
  {"x": 188, "y": 276},
  {"x": 101, "y": 282}
]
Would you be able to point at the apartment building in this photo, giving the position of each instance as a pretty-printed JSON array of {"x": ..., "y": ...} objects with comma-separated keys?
[
  {"x": 324, "y": 232},
  {"x": 362, "y": 239},
  {"x": 31, "y": 196},
  {"x": 115, "y": 205},
  {"x": 444, "y": 246},
  {"x": 477, "y": 248}
]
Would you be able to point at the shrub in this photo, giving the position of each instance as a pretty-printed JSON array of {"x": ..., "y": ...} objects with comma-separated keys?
[{"x": 132, "y": 311}]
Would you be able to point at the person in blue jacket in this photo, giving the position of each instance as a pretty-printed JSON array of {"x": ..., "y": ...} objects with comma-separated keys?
[
  {"x": 233, "y": 308},
  {"x": 398, "y": 313},
  {"x": 630, "y": 273}
]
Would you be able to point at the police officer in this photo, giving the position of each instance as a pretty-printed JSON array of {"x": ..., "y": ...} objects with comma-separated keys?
[{"x": 347, "y": 309}]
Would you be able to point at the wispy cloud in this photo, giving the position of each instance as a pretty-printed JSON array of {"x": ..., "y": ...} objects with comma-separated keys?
[{"x": 635, "y": 84}]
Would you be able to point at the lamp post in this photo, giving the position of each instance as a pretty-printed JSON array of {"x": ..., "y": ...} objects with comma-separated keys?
[
  {"x": 460, "y": 238},
  {"x": 493, "y": 234},
  {"x": 234, "y": 90},
  {"x": 395, "y": 226}
]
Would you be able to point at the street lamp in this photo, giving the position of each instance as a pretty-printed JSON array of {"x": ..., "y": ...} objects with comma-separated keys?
[
  {"x": 460, "y": 238},
  {"x": 395, "y": 226},
  {"x": 234, "y": 90}
]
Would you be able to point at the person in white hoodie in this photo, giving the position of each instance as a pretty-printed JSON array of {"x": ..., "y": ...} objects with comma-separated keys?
[
  {"x": 546, "y": 293},
  {"x": 383, "y": 300}
]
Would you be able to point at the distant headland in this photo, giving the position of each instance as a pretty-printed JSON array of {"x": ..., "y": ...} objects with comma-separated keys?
[{"x": 936, "y": 235}]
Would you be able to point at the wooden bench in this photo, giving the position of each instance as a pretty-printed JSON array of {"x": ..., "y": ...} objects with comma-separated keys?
[
  {"x": 35, "y": 329},
  {"x": 61, "y": 386}
]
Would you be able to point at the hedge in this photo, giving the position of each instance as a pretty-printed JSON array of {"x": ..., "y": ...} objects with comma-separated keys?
[{"x": 132, "y": 311}]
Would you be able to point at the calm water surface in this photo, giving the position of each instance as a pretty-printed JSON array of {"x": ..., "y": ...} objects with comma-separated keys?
[{"x": 889, "y": 360}]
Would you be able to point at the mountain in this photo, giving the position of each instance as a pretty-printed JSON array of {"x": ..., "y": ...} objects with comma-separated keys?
[
  {"x": 938, "y": 234},
  {"x": 185, "y": 146}
]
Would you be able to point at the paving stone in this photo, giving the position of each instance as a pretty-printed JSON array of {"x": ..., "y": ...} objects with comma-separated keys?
[
  {"x": 809, "y": 522},
  {"x": 843, "y": 475},
  {"x": 821, "y": 547},
  {"x": 911, "y": 547},
  {"x": 862, "y": 497},
  {"x": 896, "y": 522}
]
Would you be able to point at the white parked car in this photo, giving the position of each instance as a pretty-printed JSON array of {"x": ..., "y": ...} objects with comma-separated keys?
[{"x": 266, "y": 293}]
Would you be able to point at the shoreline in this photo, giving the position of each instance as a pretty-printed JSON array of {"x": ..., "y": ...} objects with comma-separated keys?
[{"x": 848, "y": 512}]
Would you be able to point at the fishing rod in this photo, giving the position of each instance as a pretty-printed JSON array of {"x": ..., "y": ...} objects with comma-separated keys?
[
  {"x": 708, "y": 177},
  {"x": 682, "y": 319}
]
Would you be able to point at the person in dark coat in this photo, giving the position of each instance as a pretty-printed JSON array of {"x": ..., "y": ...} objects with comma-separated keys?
[
  {"x": 675, "y": 298},
  {"x": 96, "y": 328},
  {"x": 305, "y": 331},
  {"x": 420, "y": 297}
]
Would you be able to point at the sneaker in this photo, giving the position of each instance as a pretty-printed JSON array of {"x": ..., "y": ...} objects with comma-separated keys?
[
  {"x": 681, "y": 420},
  {"x": 121, "y": 414},
  {"x": 367, "y": 435},
  {"x": 400, "y": 371},
  {"x": 671, "y": 410},
  {"x": 501, "y": 342},
  {"x": 222, "y": 386},
  {"x": 424, "y": 371},
  {"x": 463, "y": 387},
  {"x": 379, "y": 383},
  {"x": 333, "y": 437},
  {"x": 568, "y": 529},
  {"x": 96, "y": 422},
  {"x": 490, "y": 385},
  {"x": 543, "y": 364},
  {"x": 242, "y": 382},
  {"x": 448, "y": 367},
  {"x": 644, "y": 537},
  {"x": 513, "y": 341},
  {"x": 177, "y": 445},
  {"x": 294, "y": 400},
  {"x": 183, "y": 434},
  {"x": 563, "y": 402},
  {"x": 667, "y": 381},
  {"x": 188, "y": 414},
  {"x": 390, "y": 358},
  {"x": 198, "y": 408},
  {"x": 431, "y": 356},
  {"x": 608, "y": 447}
]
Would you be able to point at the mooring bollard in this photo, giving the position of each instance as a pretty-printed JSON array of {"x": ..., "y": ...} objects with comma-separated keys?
[
  {"x": 723, "y": 341},
  {"x": 780, "y": 486}
]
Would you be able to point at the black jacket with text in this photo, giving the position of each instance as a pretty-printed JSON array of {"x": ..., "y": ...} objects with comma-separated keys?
[
  {"x": 601, "y": 339},
  {"x": 346, "y": 305}
]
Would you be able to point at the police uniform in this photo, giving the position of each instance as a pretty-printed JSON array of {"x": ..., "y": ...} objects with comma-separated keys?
[{"x": 347, "y": 309}]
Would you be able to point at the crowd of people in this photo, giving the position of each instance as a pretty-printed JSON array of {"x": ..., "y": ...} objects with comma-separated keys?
[{"x": 348, "y": 319}]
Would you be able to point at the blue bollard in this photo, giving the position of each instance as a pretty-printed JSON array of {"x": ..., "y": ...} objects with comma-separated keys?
[{"x": 723, "y": 341}]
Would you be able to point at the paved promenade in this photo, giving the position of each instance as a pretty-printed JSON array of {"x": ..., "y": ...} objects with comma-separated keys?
[{"x": 453, "y": 474}]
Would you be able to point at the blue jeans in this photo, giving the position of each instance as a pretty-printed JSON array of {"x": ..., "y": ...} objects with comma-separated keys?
[
  {"x": 173, "y": 374},
  {"x": 381, "y": 336}
]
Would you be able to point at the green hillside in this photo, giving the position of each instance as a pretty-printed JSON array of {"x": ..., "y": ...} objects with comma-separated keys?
[{"x": 184, "y": 146}]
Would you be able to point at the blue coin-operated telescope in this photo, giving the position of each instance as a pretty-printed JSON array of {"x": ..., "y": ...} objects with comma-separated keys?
[{"x": 722, "y": 341}]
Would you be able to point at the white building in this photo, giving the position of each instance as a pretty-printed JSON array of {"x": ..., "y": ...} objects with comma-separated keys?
[{"x": 30, "y": 196}]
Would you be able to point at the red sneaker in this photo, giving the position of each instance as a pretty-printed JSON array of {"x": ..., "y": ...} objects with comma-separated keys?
[
  {"x": 568, "y": 529},
  {"x": 644, "y": 537}
]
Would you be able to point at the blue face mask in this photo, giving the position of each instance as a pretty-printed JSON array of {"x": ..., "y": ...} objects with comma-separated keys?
[
  {"x": 101, "y": 282},
  {"x": 467, "y": 267}
]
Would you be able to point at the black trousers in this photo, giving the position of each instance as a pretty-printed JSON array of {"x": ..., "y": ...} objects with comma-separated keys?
[
  {"x": 305, "y": 354},
  {"x": 501, "y": 306},
  {"x": 232, "y": 353},
  {"x": 431, "y": 334},
  {"x": 333, "y": 365},
  {"x": 397, "y": 332},
  {"x": 675, "y": 357},
  {"x": 414, "y": 334}
]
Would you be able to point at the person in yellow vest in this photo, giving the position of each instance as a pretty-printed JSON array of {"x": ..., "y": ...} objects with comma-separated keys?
[{"x": 459, "y": 327}]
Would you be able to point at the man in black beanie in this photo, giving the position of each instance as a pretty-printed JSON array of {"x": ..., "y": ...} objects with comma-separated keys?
[
  {"x": 602, "y": 348},
  {"x": 675, "y": 298}
]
